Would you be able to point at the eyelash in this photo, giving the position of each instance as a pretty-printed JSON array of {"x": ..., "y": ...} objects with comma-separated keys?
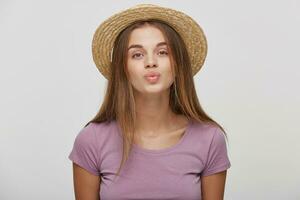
[{"x": 164, "y": 52}]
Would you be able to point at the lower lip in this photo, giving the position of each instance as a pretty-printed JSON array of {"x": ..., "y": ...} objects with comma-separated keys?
[{"x": 152, "y": 79}]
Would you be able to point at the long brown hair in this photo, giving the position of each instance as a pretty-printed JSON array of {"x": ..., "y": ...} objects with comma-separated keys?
[{"x": 119, "y": 103}]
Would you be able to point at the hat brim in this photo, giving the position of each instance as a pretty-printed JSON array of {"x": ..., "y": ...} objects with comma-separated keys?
[{"x": 190, "y": 31}]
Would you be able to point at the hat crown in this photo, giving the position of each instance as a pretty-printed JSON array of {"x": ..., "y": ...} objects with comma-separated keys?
[{"x": 143, "y": 5}]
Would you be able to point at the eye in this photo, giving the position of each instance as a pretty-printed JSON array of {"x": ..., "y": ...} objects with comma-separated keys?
[
  {"x": 136, "y": 55},
  {"x": 163, "y": 52}
]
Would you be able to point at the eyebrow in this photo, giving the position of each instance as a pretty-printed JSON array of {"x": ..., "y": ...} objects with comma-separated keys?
[{"x": 140, "y": 46}]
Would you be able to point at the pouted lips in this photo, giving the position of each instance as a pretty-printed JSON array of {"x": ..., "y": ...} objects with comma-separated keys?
[{"x": 152, "y": 77}]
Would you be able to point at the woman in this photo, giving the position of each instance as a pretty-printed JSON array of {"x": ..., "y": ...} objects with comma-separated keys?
[{"x": 150, "y": 139}]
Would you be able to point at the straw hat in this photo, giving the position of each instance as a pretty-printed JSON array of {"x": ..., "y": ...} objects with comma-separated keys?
[{"x": 190, "y": 31}]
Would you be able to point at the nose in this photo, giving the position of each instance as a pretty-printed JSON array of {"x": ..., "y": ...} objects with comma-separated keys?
[{"x": 150, "y": 62}]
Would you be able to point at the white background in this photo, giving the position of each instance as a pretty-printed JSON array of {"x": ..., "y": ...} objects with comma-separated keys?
[{"x": 50, "y": 88}]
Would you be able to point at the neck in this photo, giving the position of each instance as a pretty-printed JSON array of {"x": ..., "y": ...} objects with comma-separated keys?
[{"x": 154, "y": 115}]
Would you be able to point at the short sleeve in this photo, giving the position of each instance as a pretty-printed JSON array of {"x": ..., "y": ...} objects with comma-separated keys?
[
  {"x": 217, "y": 157},
  {"x": 84, "y": 152}
]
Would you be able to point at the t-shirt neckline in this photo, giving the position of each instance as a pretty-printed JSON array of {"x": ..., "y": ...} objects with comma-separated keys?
[{"x": 139, "y": 149}]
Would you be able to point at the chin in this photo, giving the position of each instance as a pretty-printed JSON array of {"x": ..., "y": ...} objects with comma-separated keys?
[{"x": 155, "y": 89}]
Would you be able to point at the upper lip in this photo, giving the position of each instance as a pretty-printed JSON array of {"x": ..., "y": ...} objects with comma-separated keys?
[{"x": 152, "y": 74}]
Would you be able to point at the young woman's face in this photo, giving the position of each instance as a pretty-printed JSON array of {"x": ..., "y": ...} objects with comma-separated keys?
[{"x": 147, "y": 52}]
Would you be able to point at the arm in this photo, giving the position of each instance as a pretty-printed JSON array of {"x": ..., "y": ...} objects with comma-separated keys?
[
  {"x": 86, "y": 185},
  {"x": 213, "y": 186}
]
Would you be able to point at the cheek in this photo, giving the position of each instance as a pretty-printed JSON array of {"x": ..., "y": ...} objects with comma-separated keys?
[
  {"x": 168, "y": 80},
  {"x": 135, "y": 74},
  {"x": 168, "y": 72}
]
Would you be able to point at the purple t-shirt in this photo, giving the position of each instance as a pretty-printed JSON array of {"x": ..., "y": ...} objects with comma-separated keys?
[{"x": 169, "y": 173}]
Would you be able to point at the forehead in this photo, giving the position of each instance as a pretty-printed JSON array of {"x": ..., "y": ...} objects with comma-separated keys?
[{"x": 147, "y": 35}]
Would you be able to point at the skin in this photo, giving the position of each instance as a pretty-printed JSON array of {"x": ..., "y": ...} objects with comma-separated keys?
[
  {"x": 213, "y": 186},
  {"x": 152, "y": 105},
  {"x": 148, "y": 53},
  {"x": 86, "y": 185}
]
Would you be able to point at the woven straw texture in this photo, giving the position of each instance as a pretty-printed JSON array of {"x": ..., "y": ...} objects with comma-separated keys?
[{"x": 190, "y": 31}]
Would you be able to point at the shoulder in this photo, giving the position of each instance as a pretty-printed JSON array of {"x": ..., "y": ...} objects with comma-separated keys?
[
  {"x": 207, "y": 133},
  {"x": 93, "y": 132},
  {"x": 207, "y": 129}
]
